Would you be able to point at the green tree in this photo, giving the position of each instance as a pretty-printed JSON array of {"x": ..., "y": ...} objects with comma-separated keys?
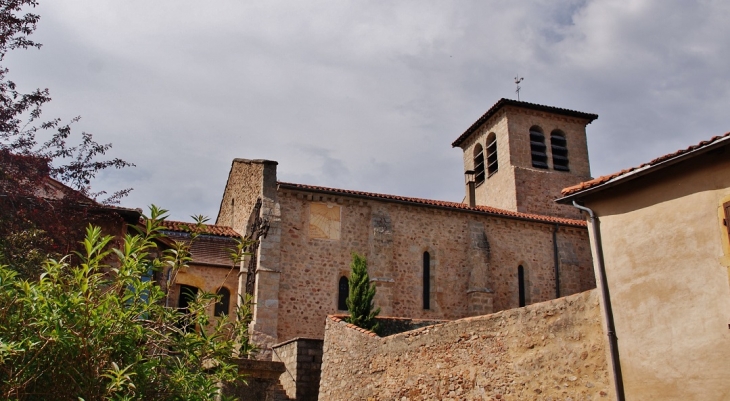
[
  {"x": 35, "y": 149},
  {"x": 98, "y": 329},
  {"x": 360, "y": 298}
]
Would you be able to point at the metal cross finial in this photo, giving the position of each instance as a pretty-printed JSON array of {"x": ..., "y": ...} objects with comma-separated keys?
[{"x": 518, "y": 79}]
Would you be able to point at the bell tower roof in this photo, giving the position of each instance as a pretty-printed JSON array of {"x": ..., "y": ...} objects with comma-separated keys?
[{"x": 526, "y": 105}]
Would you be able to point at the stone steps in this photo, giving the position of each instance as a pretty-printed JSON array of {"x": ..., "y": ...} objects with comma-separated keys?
[{"x": 276, "y": 392}]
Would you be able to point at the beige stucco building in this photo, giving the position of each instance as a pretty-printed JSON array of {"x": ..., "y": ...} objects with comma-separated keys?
[
  {"x": 662, "y": 229},
  {"x": 506, "y": 245}
]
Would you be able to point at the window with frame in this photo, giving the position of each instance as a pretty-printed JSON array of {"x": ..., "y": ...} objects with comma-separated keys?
[
  {"x": 186, "y": 296},
  {"x": 538, "y": 149},
  {"x": 492, "y": 164},
  {"x": 478, "y": 164},
  {"x": 223, "y": 303},
  {"x": 559, "y": 148}
]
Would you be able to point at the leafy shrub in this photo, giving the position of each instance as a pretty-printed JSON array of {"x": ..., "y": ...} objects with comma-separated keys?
[{"x": 97, "y": 329}]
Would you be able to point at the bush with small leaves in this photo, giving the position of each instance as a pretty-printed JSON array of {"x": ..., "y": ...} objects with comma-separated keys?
[{"x": 98, "y": 329}]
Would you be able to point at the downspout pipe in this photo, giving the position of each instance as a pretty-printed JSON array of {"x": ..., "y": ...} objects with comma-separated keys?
[
  {"x": 556, "y": 260},
  {"x": 594, "y": 227}
]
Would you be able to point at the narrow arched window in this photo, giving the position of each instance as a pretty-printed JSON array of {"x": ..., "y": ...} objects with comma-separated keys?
[
  {"x": 478, "y": 164},
  {"x": 187, "y": 296},
  {"x": 222, "y": 305},
  {"x": 538, "y": 148},
  {"x": 343, "y": 293},
  {"x": 521, "y": 284},
  {"x": 559, "y": 147},
  {"x": 492, "y": 165},
  {"x": 426, "y": 280}
]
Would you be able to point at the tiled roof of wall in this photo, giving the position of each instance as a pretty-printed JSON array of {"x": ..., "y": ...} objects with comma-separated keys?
[
  {"x": 646, "y": 166},
  {"x": 211, "y": 251},
  {"x": 509, "y": 102},
  {"x": 208, "y": 249},
  {"x": 351, "y": 326},
  {"x": 209, "y": 229},
  {"x": 435, "y": 203}
]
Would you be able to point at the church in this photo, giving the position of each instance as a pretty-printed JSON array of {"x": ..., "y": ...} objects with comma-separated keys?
[{"x": 508, "y": 244}]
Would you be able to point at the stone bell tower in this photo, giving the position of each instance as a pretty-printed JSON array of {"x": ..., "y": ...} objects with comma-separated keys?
[{"x": 519, "y": 156}]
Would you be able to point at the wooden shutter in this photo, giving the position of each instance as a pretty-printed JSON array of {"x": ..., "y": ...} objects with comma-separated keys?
[{"x": 726, "y": 221}]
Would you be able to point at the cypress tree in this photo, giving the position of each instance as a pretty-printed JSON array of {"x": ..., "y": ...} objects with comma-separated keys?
[{"x": 360, "y": 298}]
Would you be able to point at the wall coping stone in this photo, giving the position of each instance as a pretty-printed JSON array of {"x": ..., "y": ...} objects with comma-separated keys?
[
  {"x": 281, "y": 344},
  {"x": 504, "y": 313},
  {"x": 341, "y": 320},
  {"x": 352, "y": 326},
  {"x": 260, "y": 369}
]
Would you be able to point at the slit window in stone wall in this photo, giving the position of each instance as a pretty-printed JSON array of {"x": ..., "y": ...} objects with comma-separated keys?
[
  {"x": 559, "y": 147},
  {"x": 426, "y": 280},
  {"x": 342, "y": 293},
  {"x": 492, "y": 165},
  {"x": 222, "y": 305},
  {"x": 538, "y": 148},
  {"x": 521, "y": 284},
  {"x": 478, "y": 164},
  {"x": 324, "y": 221}
]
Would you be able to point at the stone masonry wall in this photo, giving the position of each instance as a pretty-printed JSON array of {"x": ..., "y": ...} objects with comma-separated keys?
[
  {"x": 473, "y": 266},
  {"x": 244, "y": 186},
  {"x": 259, "y": 380},
  {"x": 249, "y": 181},
  {"x": 517, "y": 185},
  {"x": 548, "y": 351},
  {"x": 303, "y": 360},
  {"x": 498, "y": 189},
  {"x": 536, "y": 188}
]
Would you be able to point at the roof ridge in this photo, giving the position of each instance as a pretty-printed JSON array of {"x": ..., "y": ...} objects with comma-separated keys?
[
  {"x": 518, "y": 103},
  {"x": 608, "y": 177},
  {"x": 439, "y": 203},
  {"x": 208, "y": 229},
  {"x": 193, "y": 223}
]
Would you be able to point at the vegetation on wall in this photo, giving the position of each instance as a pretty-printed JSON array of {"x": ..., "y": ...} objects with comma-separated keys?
[
  {"x": 360, "y": 299},
  {"x": 98, "y": 329}
]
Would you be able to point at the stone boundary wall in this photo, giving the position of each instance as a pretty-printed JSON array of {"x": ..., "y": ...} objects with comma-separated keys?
[
  {"x": 260, "y": 381},
  {"x": 394, "y": 325},
  {"x": 303, "y": 360},
  {"x": 553, "y": 350}
]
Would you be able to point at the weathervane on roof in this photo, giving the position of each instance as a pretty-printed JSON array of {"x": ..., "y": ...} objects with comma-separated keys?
[{"x": 518, "y": 79}]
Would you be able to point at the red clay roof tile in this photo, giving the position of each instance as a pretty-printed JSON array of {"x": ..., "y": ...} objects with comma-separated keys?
[
  {"x": 209, "y": 229},
  {"x": 606, "y": 178},
  {"x": 509, "y": 102},
  {"x": 436, "y": 203}
]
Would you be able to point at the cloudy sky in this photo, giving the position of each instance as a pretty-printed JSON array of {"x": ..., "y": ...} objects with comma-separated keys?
[{"x": 367, "y": 95}]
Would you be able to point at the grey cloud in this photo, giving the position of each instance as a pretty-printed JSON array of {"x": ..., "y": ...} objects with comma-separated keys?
[{"x": 370, "y": 95}]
